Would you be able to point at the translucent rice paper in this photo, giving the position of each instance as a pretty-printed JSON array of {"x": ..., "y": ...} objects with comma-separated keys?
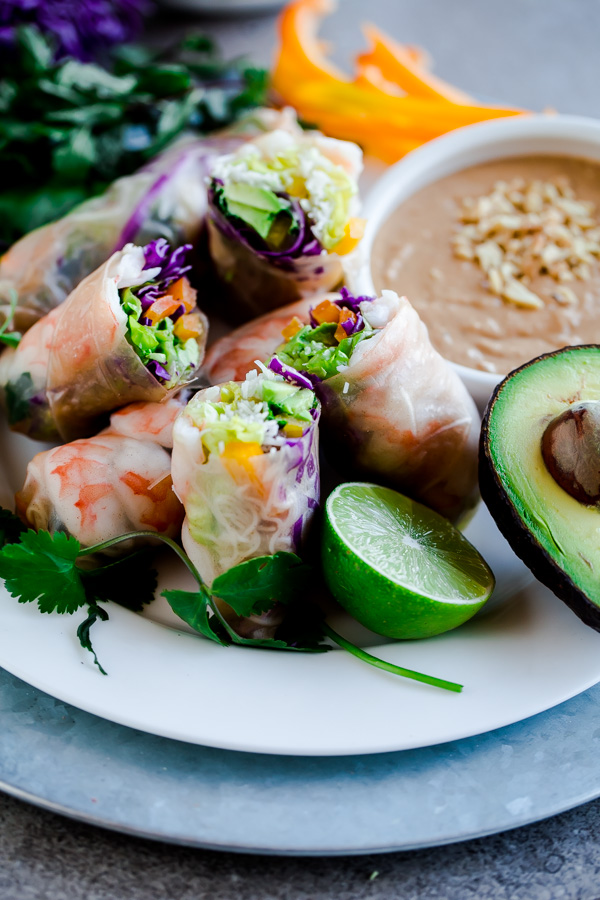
[
  {"x": 233, "y": 356},
  {"x": 255, "y": 283},
  {"x": 99, "y": 488},
  {"x": 398, "y": 414},
  {"x": 167, "y": 198},
  {"x": 90, "y": 367},
  {"x": 150, "y": 421},
  {"x": 258, "y": 281},
  {"x": 235, "y": 512}
]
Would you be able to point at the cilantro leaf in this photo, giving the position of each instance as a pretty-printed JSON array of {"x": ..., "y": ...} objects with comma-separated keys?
[
  {"x": 192, "y": 607},
  {"x": 18, "y": 394},
  {"x": 129, "y": 581},
  {"x": 42, "y": 568},
  {"x": 252, "y": 587},
  {"x": 95, "y": 612},
  {"x": 11, "y": 527}
]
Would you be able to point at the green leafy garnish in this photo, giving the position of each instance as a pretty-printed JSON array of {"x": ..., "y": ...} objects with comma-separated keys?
[
  {"x": 11, "y": 339},
  {"x": 252, "y": 587},
  {"x": 11, "y": 527},
  {"x": 18, "y": 395},
  {"x": 68, "y": 128},
  {"x": 42, "y": 568}
]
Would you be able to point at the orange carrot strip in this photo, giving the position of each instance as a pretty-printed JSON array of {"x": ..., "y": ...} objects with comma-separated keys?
[
  {"x": 188, "y": 326},
  {"x": 326, "y": 311},
  {"x": 292, "y": 328},
  {"x": 161, "y": 308},
  {"x": 396, "y": 65},
  {"x": 182, "y": 291},
  {"x": 346, "y": 315}
]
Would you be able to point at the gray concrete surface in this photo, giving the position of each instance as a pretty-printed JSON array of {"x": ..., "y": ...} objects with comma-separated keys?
[{"x": 535, "y": 53}]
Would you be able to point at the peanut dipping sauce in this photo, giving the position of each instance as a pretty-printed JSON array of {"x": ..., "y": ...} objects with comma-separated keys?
[{"x": 413, "y": 254}]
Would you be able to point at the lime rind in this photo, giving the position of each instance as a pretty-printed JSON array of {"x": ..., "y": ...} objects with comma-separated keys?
[{"x": 409, "y": 544}]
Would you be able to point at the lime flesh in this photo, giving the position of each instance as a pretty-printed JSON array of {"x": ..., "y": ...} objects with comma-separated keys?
[{"x": 399, "y": 568}]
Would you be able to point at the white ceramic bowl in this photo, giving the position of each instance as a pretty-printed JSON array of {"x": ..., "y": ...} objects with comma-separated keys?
[{"x": 498, "y": 139}]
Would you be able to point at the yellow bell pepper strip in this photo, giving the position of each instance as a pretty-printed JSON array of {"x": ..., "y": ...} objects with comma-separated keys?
[
  {"x": 326, "y": 311},
  {"x": 340, "y": 331},
  {"x": 162, "y": 308},
  {"x": 292, "y": 328},
  {"x": 188, "y": 326},
  {"x": 301, "y": 54},
  {"x": 182, "y": 291},
  {"x": 353, "y": 233},
  {"x": 396, "y": 65},
  {"x": 292, "y": 430}
]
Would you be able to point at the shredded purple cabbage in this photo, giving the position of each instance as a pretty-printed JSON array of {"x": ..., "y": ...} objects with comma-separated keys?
[
  {"x": 350, "y": 302},
  {"x": 172, "y": 265},
  {"x": 159, "y": 372},
  {"x": 83, "y": 30},
  {"x": 290, "y": 374}
]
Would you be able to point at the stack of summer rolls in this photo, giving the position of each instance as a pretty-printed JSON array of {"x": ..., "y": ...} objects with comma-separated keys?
[{"x": 222, "y": 452}]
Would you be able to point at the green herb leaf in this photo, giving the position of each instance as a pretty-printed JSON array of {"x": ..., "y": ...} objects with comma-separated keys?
[
  {"x": 41, "y": 568},
  {"x": 192, "y": 607},
  {"x": 252, "y": 587},
  {"x": 11, "y": 527},
  {"x": 129, "y": 581},
  {"x": 18, "y": 395},
  {"x": 95, "y": 612}
]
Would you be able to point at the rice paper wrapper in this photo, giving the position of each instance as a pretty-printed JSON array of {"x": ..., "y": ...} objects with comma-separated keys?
[
  {"x": 99, "y": 488},
  {"x": 24, "y": 379},
  {"x": 235, "y": 512},
  {"x": 234, "y": 355},
  {"x": 255, "y": 283},
  {"x": 80, "y": 363},
  {"x": 167, "y": 198},
  {"x": 401, "y": 415},
  {"x": 150, "y": 421}
]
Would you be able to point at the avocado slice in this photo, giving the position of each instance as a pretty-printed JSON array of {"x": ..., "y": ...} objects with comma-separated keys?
[{"x": 539, "y": 472}]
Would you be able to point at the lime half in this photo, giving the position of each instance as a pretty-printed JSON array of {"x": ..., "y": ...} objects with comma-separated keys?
[{"x": 399, "y": 568}]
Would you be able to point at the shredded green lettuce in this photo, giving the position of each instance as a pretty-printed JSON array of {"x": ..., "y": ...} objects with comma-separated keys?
[{"x": 317, "y": 352}]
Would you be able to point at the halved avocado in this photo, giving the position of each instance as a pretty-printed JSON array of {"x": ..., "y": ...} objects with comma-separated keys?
[{"x": 539, "y": 472}]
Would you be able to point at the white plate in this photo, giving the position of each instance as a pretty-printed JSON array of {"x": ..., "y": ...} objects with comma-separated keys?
[{"x": 525, "y": 653}]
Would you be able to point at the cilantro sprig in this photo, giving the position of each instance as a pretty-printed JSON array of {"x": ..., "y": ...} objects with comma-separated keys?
[
  {"x": 12, "y": 338},
  {"x": 69, "y": 128},
  {"x": 53, "y": 571}
]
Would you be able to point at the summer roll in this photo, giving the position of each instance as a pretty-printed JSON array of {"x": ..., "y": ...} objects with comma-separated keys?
[
  {"x": 282, "y": 212},
  {"x": 167, "y": 198},
  {"x": 101, "y": 487},
  {"x": 130, "y": 331},
  {"x": 394, "y": 410},
  {"x": 246, "y": 468}
]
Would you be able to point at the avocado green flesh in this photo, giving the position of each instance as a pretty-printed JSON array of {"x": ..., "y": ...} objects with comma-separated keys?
[{"x": 565, "y": 529}]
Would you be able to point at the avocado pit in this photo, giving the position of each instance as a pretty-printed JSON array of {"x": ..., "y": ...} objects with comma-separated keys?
[{"x": 571, "y": 451}]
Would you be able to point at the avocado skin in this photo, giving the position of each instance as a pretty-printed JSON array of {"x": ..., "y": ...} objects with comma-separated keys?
[{"x": 509, "y": 523}]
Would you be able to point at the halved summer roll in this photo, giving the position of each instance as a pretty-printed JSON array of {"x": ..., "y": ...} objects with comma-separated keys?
[
  {"x": 393, "y": 409},
  {"x": 246, "y": 468},
  {"x": 282, "y": 212},
  {"x": 130, "y": 331},
  {"x": 101, "y": 487},
  {"x": 166, "y": 198}
]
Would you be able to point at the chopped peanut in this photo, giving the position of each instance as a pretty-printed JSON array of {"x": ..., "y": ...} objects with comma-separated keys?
[
  {"x": 292, "y": 328},
  {"x": 326, "y": 311}
]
